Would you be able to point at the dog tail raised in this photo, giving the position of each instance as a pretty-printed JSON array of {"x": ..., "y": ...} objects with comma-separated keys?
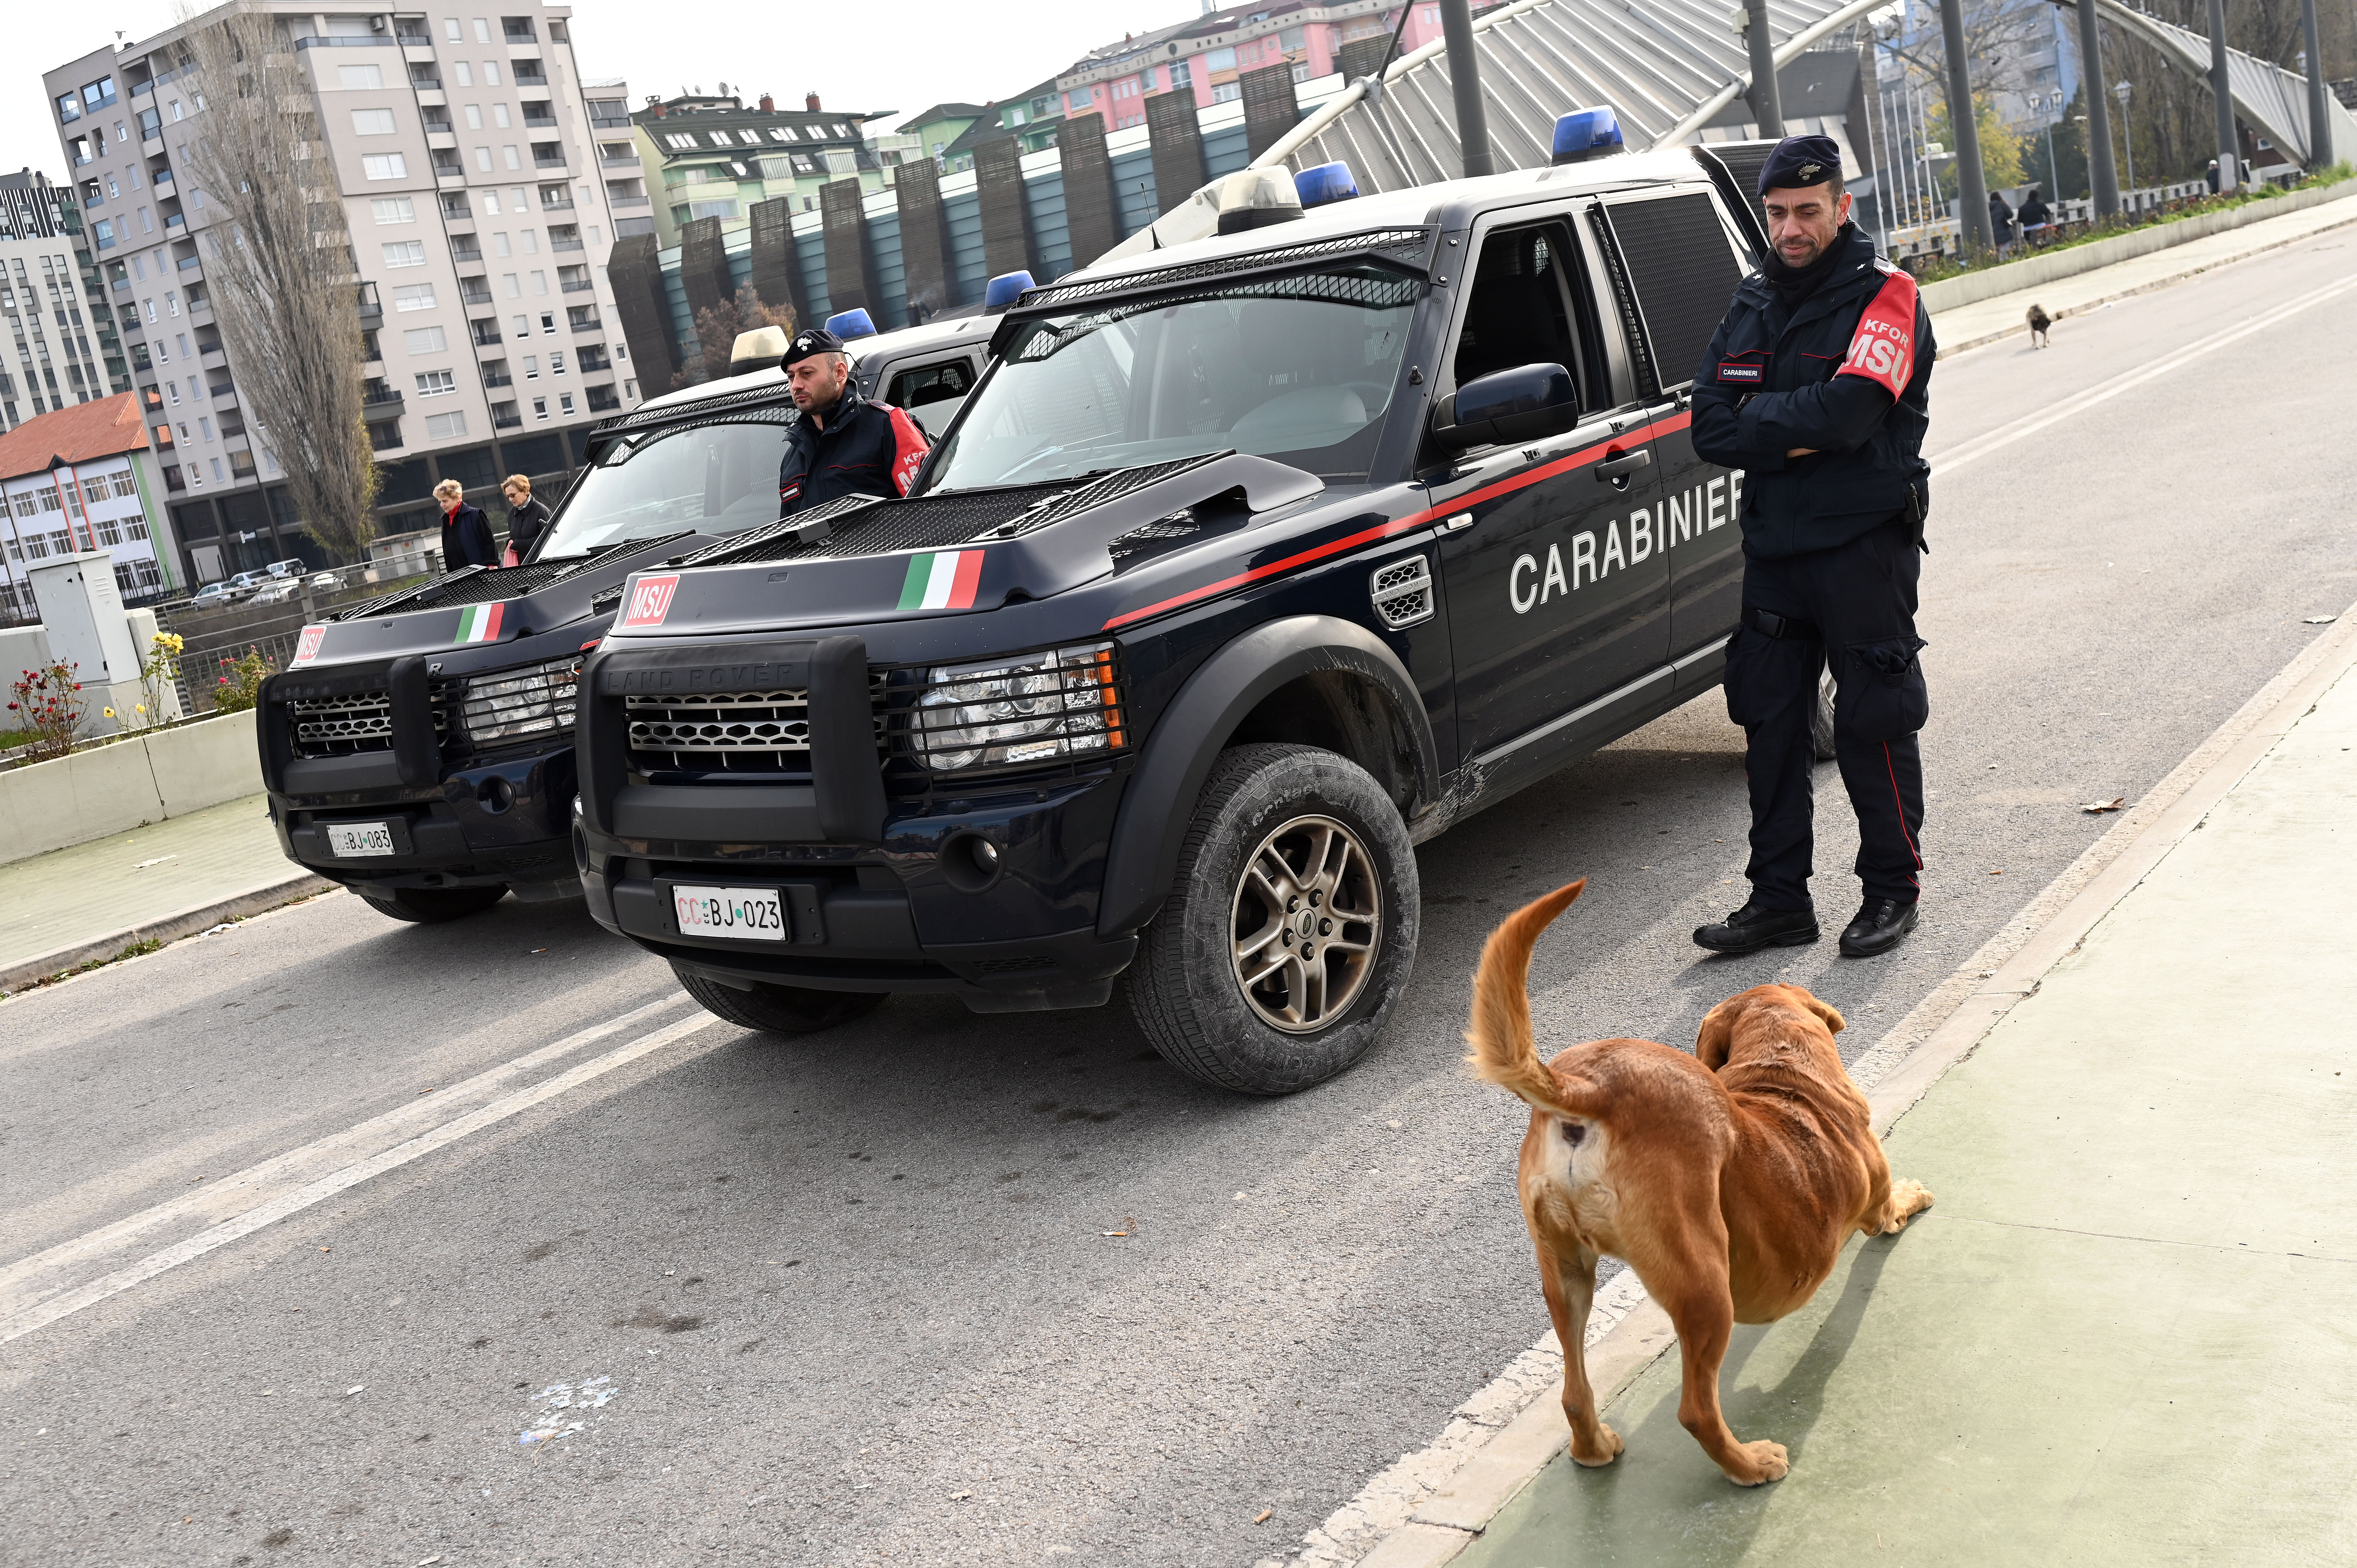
[{"x": 1504, "y": 1052}]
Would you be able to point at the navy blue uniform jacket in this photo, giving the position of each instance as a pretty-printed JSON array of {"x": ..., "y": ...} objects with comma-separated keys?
[
  {"x": 1848, "y": 374},
  {"x": 866, "y": 449}
]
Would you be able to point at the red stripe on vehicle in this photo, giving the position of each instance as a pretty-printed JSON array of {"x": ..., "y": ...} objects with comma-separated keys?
[
  {"x": 1579, "y": 460},
  {"x": 968, "y": 578},
  {"x": 491, "y": 624}
]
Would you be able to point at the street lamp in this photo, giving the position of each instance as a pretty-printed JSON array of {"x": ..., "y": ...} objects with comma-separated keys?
[{"x": 2121, "y": 93}]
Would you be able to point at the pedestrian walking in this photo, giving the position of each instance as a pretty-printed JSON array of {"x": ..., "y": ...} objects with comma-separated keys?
[
  {"x": 527, "y": 519},
  {"x": 465, "y": 532},
  {"x": 2037, "y": 217},
  {"x": 843, "y": 444},
  {"x": 2000, "y": 221},
  {"x": 1816, "y": 385},
  {"x": 2212, "y": 177}
]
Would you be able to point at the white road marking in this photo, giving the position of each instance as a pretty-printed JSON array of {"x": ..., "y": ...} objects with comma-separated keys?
[
  {"x": 33, "y": 1295},
  {"x": 2030, "y": 425}
]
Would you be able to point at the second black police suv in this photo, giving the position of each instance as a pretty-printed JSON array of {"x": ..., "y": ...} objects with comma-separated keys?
[{"x": 1816, "y": 386}]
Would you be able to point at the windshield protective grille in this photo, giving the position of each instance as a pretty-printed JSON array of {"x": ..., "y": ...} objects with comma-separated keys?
[{"x": 1405, "y": 246}]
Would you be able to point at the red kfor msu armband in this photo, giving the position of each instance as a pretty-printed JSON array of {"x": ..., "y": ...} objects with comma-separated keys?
[{"x": 1883, "y": 348}]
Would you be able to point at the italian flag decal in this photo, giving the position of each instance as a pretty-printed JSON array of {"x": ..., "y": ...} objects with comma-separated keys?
[
  {"x": 479, "y": 623},
  {"x": 945, "y": 580}
]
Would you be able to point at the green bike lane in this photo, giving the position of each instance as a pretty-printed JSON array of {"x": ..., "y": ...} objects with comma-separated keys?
[{"x": 2123, "y": 1333}]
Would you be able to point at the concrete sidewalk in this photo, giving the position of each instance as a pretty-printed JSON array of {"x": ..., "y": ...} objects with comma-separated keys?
[
  {"x": 2002, "y": 315},
  {"x": 158, "y": 883},
  {"x": 2121, "y": 1334}
]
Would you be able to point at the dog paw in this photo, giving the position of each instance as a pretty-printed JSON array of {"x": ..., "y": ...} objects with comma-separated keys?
[
  {"x": 1596, "y": 1454},
  {"x": 1767, "y": 1462},
  {"x": 1908, "y": 1198}
]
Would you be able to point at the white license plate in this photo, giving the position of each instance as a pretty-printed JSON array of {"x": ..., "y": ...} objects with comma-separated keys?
[
  {"x": 744, "y": 914},
  {"x": 352, "y": 840}
]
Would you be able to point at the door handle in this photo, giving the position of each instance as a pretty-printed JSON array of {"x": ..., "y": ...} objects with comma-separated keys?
[{"x": 1615, "y": 470}]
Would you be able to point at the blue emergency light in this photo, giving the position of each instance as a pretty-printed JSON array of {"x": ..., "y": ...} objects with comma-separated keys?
[
  {"x": 1585, "y": 134},
  {"x": 849, "y": 324},
  {"x": 1325, "y": 183},
  {"x": 1004, "y": 290}
]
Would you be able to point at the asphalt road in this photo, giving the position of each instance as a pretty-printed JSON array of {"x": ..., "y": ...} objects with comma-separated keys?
[{"x": 853, "y": 1298}]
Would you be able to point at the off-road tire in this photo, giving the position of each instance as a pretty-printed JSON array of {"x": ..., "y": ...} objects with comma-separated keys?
[
  {"x": 1821, "y": 718},
  {"x": 1186, "y": 986},
  {"x": 431, "y": 906},
  {"x": 777, "y": 1009}
]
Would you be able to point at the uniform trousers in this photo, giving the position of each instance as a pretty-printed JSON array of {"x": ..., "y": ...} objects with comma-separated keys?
[{"x": 1854, "y": 606}]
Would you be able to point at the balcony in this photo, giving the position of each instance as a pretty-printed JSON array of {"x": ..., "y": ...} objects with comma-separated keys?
[
  {"x": 529, "y": 74},
  {"x": 552, "y": 158},
  {"x": 187, "y": 264},
  {"x": 519, "y": 32},
  {"x": 372, "y": 309},
  {"x": 162, "y": 181},
  {"x": 486, "y": 333},
  {"x": 507, "y": 421},
  {"x": 546, "y": 121},
  {"x": 622, "y": 201},
  {"x": 576, "y": 285},
  {"x": 467, "y": 252},
  {"x": 475, "y": 291},
  {"x": 380, "y": 403},
  {"x": 316, "y": 41},
  {"x": 610, "y": 122},
  {"x": 498, "y": 379},
  {"x": 572, "y": 244},
  {"x": 561, "y": 202},
  {"x": 412, "y": 33},
  {"x": 626, "y": 158}
]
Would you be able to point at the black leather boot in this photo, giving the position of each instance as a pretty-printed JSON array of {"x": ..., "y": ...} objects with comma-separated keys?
[
  {"x": 1753, "y": 928},
  {"x": 1880, "y": 923}
]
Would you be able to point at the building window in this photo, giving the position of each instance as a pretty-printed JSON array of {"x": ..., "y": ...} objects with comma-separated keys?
[
  {"x": 434, "y": 383},
  {"x": 393, "y": 209},
  {"x": 125, "y": 483},
  {"x": 413, "y": 297},
  {"x": 385, "y": 166},
  {"x": 355, "y": 77},
  {"x": 539, "y": 408},
  {"x": 404, "y": 253},
  {"x": 104, "y": 230},
  {"x": 446, "y": 427},
  {"x": 426, "y": 340},
  {"x": 373, "y": 123}
]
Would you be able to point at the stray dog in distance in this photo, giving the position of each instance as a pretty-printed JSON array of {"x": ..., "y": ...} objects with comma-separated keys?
[
  {"x": 1728, "y": 1179},
  {"x": 2038, "y": 322}
]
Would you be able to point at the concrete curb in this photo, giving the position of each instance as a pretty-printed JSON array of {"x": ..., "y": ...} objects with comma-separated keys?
[
  {"x": 1940, "y": 1031},
  {"x": 171, "y": 928},
  {"x": 2019, "y": 328}
]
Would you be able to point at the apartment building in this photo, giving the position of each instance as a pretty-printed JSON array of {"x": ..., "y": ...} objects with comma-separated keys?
[
  {"x": 465, "y": 153},
  {"x": 62, "y": 330},
  {"x": 83, "y": 477},
  {"x": 1206, "y": 55},
  {"x": 709, "y": 155}
]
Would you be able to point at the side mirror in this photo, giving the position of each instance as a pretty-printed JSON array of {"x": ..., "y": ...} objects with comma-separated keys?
[{"x": 1521, "y": 405}]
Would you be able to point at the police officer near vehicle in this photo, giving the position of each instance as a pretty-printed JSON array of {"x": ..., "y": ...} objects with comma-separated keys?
[
  {"x": 843, "y": 444},
  {"x": 1815, "y": 386}
]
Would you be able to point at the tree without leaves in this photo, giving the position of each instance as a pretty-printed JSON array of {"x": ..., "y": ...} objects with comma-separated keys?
[
  {"x": 278, "y": 261},
  {"x": 717, "y": 327}
]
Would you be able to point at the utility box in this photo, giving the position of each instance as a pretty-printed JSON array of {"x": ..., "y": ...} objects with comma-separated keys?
[{"x": 83, "y": 616}]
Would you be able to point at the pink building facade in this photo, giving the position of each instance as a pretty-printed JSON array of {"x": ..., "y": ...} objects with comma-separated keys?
[{"x": 1203, "y": 56}]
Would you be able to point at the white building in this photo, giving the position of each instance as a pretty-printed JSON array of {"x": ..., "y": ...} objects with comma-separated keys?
[
  {"x": 63, "y": 333},
  {"x": 465, "y": 150},
  {"x": 79, "y": 479}
]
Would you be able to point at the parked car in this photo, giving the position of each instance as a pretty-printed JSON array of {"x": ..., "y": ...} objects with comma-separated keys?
[
  {"x": 326, "y": 583},
  {"x": 291, "y": 567},
  {"x": 276, "y": 592},
  {"x": 211, "y": 596},
  {"x": 419, "y": 746},
  {"x": 246, "y": 581},
  {"x": 1249, "y": 564}
]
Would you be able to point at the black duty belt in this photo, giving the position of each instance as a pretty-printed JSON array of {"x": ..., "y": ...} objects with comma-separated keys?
[{"x": 1768, "y": 623}]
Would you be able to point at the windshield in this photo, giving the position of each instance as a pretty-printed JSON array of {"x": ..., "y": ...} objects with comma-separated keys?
[
  {"x": 1299, "y": 369},
  {"x": 717, "y": 477}
]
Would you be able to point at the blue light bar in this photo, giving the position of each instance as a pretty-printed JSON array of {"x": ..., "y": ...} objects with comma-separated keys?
[
  {"x": 1325, "y": 183},
  {"x": 849, "y": 324},
  {"x": 1004, "y": 290},
  {"x": 1585, "y": 134}
]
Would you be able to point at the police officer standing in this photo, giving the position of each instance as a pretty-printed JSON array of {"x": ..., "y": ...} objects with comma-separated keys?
[
  {"x": 843, "y": 444},
  {"x": 1815, "y": 386}
]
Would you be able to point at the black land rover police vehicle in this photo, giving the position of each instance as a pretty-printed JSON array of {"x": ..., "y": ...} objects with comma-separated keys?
[
  {"x": 1249, "y": 564},
  {"x": 419, "y": 746}
]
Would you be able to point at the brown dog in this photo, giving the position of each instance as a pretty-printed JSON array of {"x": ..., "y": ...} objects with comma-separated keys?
[{"x": 1728, "y": 1179}]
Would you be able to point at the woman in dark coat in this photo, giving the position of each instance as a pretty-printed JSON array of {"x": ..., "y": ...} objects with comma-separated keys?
[
  {"x": 527, "y": 519},
  {"x": 465, "y": 532}
]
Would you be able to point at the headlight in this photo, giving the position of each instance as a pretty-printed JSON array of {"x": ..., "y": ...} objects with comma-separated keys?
[
  {"x": 1036, "y": 708},
  {"x": 535, "y": 699}
]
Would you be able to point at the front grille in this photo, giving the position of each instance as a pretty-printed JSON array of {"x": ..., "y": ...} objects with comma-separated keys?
[
  {"x": 343, "y": 726},
  {"x": 728, "y": 731},
  {"x": 721, "y": 729}
]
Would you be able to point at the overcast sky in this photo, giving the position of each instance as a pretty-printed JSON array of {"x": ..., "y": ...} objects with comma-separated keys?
[{"x": 856, "y": 54}]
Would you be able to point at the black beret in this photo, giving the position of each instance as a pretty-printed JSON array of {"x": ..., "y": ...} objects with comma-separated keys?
[
  {"x": 811, "y": 341},
  {"x": 1800, "y": 161}
]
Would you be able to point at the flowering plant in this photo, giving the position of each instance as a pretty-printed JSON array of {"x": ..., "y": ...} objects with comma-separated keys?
[
  {"x": 157, "y": 672},
  {"x": 48, "y": 705},
  {"x": 239, "y": 685}
]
